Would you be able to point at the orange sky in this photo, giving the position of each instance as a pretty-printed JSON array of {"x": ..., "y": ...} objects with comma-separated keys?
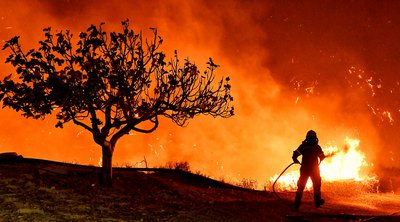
[{"x": 274, "y": 52}]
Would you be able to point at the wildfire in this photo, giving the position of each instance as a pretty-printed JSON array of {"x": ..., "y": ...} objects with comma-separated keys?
[{"x": 340, "y": 164}]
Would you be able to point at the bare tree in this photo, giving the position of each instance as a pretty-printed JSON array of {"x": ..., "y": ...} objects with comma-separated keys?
[{"x": 109, "y": 84}]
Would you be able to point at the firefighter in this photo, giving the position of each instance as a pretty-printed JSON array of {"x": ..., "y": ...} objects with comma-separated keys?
[{"x": 312, "y": 155}]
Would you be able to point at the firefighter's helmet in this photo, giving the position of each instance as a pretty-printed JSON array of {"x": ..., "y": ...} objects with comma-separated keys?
[{"x": 312, "y": 134}]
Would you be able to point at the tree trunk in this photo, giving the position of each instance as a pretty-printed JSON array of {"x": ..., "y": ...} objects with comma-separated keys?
[{"x": 106, "y": 176}]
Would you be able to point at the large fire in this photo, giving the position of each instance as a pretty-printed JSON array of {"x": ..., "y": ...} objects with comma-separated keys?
[{"x": 347, "y": 163}]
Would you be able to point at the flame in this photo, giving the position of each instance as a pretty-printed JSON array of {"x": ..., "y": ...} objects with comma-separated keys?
[{"x": 339, "y": 164}]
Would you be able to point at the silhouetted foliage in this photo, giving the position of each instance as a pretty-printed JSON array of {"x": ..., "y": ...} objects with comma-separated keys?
[
  {"x": 110, "y": 83},
  {"x": 183, "y": 165}
]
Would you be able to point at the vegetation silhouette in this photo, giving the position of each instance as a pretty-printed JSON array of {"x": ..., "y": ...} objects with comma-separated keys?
[{"x": 110, "y": 84}]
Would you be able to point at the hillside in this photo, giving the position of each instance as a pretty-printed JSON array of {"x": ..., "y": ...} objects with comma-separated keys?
[{"x": 41, "y": 190}]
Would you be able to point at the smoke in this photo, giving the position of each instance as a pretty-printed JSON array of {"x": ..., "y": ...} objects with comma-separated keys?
[
  {"x": 346, "y": 52},
  {"x": 289, "y": 63}
]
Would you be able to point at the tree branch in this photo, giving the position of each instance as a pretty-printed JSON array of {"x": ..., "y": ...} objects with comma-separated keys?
[
  {"x": 120, "y": 133},
  {"x": 148, "y": 130},
  {"x": 82, "y": 125}
]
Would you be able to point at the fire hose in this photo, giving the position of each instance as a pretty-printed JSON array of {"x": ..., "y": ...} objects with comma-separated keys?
[{"x": 276, "y": 180}]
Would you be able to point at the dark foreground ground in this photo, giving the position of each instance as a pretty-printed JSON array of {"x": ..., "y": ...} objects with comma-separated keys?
[{"x": 39, "y": 190}]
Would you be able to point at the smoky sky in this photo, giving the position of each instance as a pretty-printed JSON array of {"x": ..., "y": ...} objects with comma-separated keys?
[
  {"x": 295, "y": 65},
  {"x": 318, "y": 41},
  {"x": 330, "y": 36}
]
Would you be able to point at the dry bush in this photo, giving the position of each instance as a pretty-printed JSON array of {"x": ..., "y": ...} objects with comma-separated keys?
[
  {"x": 247, "y": 183},
  {"x": 198, "y": 172},
  {"x": 184, "y": 166}
]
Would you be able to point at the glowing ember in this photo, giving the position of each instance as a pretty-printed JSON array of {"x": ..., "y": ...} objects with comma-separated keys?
[{"x": 340, "y": 164}]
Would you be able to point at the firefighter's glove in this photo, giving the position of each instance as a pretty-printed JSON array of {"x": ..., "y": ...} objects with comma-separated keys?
[{"x": 296, "y": 161}]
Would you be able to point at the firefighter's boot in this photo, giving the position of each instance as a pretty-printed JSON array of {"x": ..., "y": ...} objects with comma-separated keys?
[
  {"x": 318, "y": 200},
  {"x": 297, "y": 201}
]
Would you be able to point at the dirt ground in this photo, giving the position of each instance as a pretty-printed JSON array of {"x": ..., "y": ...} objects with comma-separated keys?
[{"x": 39, "y": 190}]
